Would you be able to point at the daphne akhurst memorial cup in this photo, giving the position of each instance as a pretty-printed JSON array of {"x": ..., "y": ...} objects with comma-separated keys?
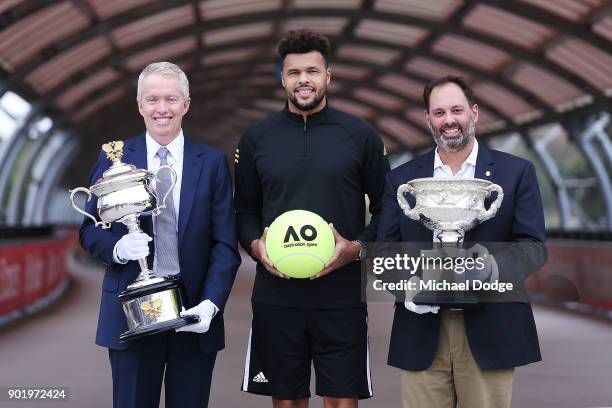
[
  {"x": 151, "y": 304},
  {"x": 449, "y": 207}
]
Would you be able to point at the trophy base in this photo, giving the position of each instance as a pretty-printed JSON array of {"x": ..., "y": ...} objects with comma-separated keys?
[
  {"x": 157, "y": 328},
  {"x": 445, "y": 298},
  {"x": 152, "y": 306}
]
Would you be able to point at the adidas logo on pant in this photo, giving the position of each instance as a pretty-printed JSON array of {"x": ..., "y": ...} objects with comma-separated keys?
[{"x": 260, "y": 378}]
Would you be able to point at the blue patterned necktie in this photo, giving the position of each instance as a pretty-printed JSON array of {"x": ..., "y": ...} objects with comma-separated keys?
[{"x": 166, "y": 236}]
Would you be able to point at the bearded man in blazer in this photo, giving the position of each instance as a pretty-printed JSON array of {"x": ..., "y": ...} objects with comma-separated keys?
[{"x": 451, "y": 355}]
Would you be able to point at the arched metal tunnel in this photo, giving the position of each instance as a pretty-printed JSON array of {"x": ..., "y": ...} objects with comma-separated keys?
[{"x": 541, "y": 71}]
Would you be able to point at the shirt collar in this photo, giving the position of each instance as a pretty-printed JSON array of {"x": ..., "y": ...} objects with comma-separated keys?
[
  {"x": 312, "y": 119},
  {"x": 175, "y": 147},
  {"x": 471, "y": 159}
]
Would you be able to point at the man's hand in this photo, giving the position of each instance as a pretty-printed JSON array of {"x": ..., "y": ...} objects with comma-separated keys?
[
  {"x": 258, "y": 251},
  {"x": 488, "y": 272},
  {"x": 345, "y": 252},
  {"x": 133, "y": 246},
  {"x": 206, "y": 310},
  {"x": 413, "y": 307},
  {"x": 421, "y": 309}
]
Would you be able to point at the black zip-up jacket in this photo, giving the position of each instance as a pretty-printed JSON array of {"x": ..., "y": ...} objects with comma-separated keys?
[{"x": 326, "y": 165}]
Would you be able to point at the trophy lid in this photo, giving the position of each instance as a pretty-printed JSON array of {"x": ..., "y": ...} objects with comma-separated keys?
[{"x": 119, "y": 175}]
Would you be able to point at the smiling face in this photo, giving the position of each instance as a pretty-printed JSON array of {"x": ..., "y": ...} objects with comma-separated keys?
[
  {"x": 450, "y": 118},
  {"x": 305, "y": 78},
  {"x": 162, "y": 105}
]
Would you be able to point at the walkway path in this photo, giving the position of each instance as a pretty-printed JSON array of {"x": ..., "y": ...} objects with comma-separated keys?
[{"x": 56, "y": 347}]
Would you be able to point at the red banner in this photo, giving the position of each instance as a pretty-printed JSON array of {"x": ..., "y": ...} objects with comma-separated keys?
[{"x": 30, "y": 271}]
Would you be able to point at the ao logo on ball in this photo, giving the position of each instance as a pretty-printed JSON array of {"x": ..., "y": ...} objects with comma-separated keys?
[
  {"x": 299, "y": 243},
  {"x": 307, "y": 233}
]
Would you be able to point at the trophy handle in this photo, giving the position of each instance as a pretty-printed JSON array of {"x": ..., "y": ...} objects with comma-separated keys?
[
  {"x": 158, "y": 209},
  {"x": 410, "y": 212},
  {"x": 490, "y": 213},
  {"x": 86, "y": 191}
]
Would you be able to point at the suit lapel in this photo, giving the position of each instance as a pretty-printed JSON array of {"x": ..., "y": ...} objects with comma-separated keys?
[
  {"x": 192, "y": 167},
  {"x": 425, "y": 165},
  {"x": 485, "y": 169},
  {"x": 137, "y": 153},
  {"x": 485, "y": 166}
]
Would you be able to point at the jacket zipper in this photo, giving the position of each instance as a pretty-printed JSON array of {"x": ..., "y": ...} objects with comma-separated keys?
[{"x": 305, "y": 152}]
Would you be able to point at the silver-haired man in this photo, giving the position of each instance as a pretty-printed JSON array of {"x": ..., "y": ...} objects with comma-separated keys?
[{"x": 197, "y": 237}]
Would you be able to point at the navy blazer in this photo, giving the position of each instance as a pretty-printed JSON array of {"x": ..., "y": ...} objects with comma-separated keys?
[
  {"x": 208, "y": 252},
  {"x": 500, "y": 335}
]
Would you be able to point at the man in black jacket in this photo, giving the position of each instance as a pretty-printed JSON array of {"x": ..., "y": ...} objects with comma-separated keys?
[{"x": 309, "y": 156}]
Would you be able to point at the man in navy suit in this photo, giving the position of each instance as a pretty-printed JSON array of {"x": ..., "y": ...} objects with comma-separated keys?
[
  {"x": 451, "y": 355},
  {"x": 200, "y": 243}
]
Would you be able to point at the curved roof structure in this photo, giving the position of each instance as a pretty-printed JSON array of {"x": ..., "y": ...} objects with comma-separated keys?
[{"x": 530, "y": 61}]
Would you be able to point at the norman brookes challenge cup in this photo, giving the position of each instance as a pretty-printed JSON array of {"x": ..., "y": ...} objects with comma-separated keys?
[
  {"x": 151, "y": 304},
  {"x": 449, "y": 207},
  {"x": 452, "y": 206}
]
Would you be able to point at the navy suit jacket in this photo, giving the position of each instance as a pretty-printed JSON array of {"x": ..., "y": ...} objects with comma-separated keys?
[
  {"x": 208, "y": 252},
  {"x": 500, "y": 335}
]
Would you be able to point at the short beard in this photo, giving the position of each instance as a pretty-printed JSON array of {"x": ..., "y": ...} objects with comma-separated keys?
[
  {"x": 309, "y": 106},
  {"x": 454, "y": 145}
]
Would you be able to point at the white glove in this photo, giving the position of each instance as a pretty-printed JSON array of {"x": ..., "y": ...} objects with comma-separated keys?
[
  {"x": 413, "y": 307},
  {"x": 421, "y": 309},
  {"x": 206, "y": 310},
  {"x": 132, "y": 246}
]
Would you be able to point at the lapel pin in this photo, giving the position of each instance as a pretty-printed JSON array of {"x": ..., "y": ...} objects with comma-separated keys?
[{"x": 487, "y": 173}]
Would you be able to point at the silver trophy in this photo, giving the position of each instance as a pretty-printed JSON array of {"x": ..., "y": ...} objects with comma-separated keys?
[
  {"x": 151, "y": 304},
  {"x": 449, "y": 207}
]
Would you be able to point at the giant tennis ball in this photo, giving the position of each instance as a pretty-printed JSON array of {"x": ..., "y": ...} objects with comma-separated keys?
[{"x": 299, "y": 243}]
